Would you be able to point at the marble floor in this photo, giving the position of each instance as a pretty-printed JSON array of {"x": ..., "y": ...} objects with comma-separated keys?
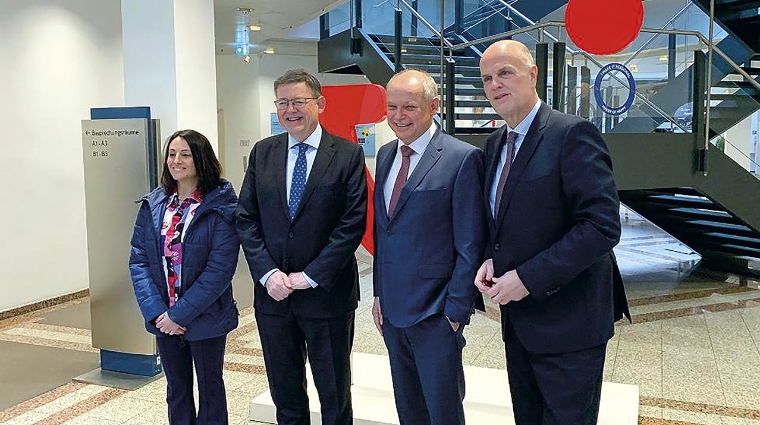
[{"x": 693, "y": 348}]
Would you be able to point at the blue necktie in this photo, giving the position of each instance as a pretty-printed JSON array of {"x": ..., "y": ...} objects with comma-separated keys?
[{"x": 298, "y": 184}]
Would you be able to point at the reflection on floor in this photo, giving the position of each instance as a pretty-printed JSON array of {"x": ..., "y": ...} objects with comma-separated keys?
[{"x": 693, "y": 349}]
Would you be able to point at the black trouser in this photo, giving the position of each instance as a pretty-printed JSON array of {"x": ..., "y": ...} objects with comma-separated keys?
[
  {"x": 554, "y": 389},
  {"x": 286, "y": 341}
]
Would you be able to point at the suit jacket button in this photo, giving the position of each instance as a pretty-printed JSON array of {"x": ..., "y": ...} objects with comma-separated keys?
[
  {"x": 389, "y": 233},
  {"x": 497, "y": 247},
  {"x": 290, "y": 235}
]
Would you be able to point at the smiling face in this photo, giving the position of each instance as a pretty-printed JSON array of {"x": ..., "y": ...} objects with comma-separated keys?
[
  {"x": 299, "y": 122},
  {"x": 410, "y": 111},
  {"x": 180, "y": 162},
  {"x": 509, "y": 80}
]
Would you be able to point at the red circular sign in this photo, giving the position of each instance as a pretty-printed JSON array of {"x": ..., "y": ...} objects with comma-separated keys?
[{"x": 603, "y": 27}]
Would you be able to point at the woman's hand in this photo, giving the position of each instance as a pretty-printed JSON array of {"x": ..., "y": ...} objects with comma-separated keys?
[{"x": 167, "y": 325}]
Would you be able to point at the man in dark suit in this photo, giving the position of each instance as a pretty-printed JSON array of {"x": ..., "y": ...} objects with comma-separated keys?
[
  {"x": 429, "y": 236},
  {"x": 555, "y": 219},
  {"x": 300, "y": 218}
]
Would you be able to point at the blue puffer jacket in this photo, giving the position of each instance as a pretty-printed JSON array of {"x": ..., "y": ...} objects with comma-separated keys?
[{"x": 209, "y": 258}]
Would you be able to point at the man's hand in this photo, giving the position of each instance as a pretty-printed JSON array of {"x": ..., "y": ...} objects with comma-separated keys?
[
  {"x": 279, "y": 286},
  {"x": 298, "y": 282},
  {"x": 507, "y": 288},
  {"x": 168, "y": 326},
  {"x": 377, "y": 315},
  {"x": 484, "y": 277}
]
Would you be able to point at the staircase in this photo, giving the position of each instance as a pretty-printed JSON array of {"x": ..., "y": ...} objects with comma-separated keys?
[
  {"x": 736, "y": 98},
  {"x": 739, "y": 17},
  {"x": 470, "y": 101},
  {"x": 714, "y": 214}
]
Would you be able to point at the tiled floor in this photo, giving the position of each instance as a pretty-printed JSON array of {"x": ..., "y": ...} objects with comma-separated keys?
[{"x": 693, "y": 348}]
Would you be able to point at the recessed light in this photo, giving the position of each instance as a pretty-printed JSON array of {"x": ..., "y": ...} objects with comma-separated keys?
[
  {"x": 269, "y": 50},
  {"x": 255, "y": 28}
]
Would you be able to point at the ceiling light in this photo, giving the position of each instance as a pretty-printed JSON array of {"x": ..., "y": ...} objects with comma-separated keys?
[
  {"x": 269, "y": 50},
  {"x": 255, "y": 27},
  {"x": 663, "y": 58}
]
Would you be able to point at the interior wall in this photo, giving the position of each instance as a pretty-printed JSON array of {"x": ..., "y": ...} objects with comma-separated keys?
[
  {"x": 59, "y": 58},
  {"x": 246, "y": 95}
]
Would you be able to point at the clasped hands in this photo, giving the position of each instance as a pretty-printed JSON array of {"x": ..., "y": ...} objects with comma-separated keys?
[
  {"x": 168, "y": 326},
  {"x": 503, "y": 289},
  {"x": 280, "y": 285}
]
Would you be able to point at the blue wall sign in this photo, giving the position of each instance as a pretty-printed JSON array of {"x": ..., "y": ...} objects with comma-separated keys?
[{"x": 614, "y": 111}]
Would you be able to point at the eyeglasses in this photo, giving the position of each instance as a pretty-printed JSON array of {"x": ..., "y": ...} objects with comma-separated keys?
[{"x": 298, "y": 103}]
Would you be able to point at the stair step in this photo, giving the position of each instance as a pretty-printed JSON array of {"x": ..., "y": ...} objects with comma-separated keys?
[
  {"x": 477, "y": 117},
  {"x": 751, "y": 70},
  {"x": 684, "y": 201},
  {"x": 475, "y": 130},
  {"x": 740, "y": 84},
  {"x": 467, "y": 71},
  {"x": 745, "y": 241},
  {"x": 435, "y": 59},
  {"x": 467, "y": 91},
  {"x": 731, "y": 228},
  {"x": 723, "y": 247},
  {"x": 472, "y": 103}
]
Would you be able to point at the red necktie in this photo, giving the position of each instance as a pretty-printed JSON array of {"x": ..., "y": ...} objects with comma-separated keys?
[
  {"x": 511, "y": 138},
  {"x": 406, "y": 152}
]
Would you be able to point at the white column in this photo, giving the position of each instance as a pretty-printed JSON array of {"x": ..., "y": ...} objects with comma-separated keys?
[{"x": 169, "y": 62}]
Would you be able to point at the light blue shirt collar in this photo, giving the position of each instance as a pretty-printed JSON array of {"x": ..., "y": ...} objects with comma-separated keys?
[{"x": 313, "y": 140}]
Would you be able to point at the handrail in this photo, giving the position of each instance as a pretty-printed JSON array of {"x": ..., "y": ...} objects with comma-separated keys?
[
  {"x": 495, "y": 37},
  {"x": 696, "y": 34},
  {"x": 651, "y": 39},
  {"x": 646, "y": 101},
  {"x": 710, "y": 49},
  {"x": 426, "y": 23},
  {"x": 495, "y": 12},
  {"x": 716, "y": 49}
]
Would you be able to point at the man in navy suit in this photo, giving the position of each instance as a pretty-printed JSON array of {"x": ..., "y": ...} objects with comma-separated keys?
[
  {"x": 300, "y": 217},
  {"x": 554, "y": 221},
  {"x": 429, "y": 236}
]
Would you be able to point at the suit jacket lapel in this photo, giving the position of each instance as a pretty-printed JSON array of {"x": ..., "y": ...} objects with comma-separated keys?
[
  {"x": 384, "y": 162},
  {"x": 494, "y": 160},
  {"x": 322, "y": 162},
  {"x": 527, "y": 148},
  {"x": 429, "y": 158},
  {"x": 280, "y": 155}
]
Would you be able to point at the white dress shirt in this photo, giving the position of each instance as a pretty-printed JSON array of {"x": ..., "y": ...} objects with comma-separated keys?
[
  {"x": 418, "y": 146},
  {"x": 313, "y": 142},
  {"x": 521, "y": 129}
]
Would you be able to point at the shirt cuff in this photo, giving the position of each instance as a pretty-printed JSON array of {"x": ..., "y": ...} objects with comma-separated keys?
[
  {"x": 308, "y": 279},
  {"x": 266, "y": 276}
]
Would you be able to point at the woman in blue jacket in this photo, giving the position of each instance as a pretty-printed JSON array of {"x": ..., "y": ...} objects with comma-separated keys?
[{"x": 184, "y": 253}]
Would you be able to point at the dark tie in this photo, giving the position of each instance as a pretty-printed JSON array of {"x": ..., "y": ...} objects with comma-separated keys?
[
  {"x": 406, "y": 152},
  {"x": 298, "y": 183},
  {"x": 511, "y": 138}
]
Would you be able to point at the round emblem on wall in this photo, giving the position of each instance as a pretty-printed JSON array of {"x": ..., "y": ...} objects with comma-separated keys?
[{"x": 611, "y": 110}]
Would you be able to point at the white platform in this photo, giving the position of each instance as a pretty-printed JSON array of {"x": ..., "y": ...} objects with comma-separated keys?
[{"x": 487, "y": 400}]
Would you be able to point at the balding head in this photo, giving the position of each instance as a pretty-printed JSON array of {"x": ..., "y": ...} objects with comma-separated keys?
[
  {"x": 509, "y": 77},
  {"x": 412, "y": 103}
]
